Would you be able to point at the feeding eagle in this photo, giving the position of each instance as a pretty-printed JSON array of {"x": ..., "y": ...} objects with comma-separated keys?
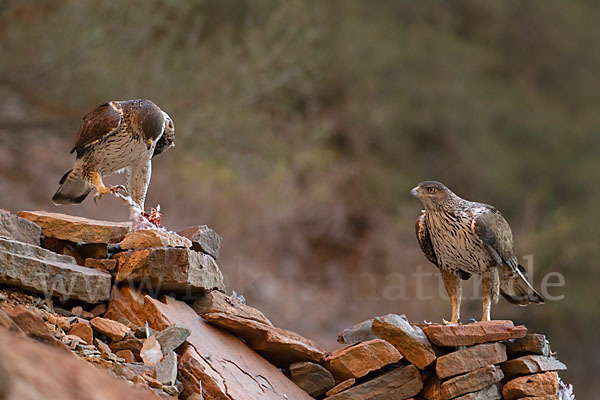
[
  {"x": 464, "y": 238},
  {"x": 114, "y": 137}
]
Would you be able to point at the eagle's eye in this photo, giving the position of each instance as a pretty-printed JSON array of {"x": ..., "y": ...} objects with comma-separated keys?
[{"x": 431, "y": 190}]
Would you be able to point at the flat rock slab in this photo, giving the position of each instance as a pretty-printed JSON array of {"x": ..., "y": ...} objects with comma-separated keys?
[
  {"x": 312, "y": 378},
  {"x": 279, "y": 346},
  {"x": 217, "y": 361},
  {"x": 20, "y": 229},
  {"x": 203, "y": 239},
  {"x": 43, "y": 271},
  {"x": 398, "y": 384},
  {"x": 77, "y": 229},
  {"x": 358, "y": 360},
  {"x": 357, "y": 333},
  {"x": 529, "y": 344},
  {"x": 147, "y": 238},
  {"x": 531, "y": 364},
  {"x": 112, "y": 329},
  {"x": 475, "y": 333},
  {"x": 170, "y": 270},
  {"x": 33, "y": 371},
  {"x": 469, "y": 359},
  {"x": 543, "y": 384},
  {"x": 410, "y": 341},
  {"x": 218, "y": 302},
  {"x": 492, "y": 392},
  {"x": 28, "y": 250},
  {"x": 471, "y": 382}
]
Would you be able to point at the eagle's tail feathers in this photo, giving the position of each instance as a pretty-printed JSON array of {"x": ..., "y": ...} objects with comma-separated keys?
[
  {"x": 72, "y": 189},
  {"x": 515, "y": 288}
]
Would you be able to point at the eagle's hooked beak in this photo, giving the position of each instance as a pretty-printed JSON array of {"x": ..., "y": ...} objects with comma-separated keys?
[{"x": 414, "y": 193}]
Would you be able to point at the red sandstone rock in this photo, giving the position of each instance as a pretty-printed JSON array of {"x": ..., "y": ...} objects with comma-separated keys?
[
  {"x": 227, "y": 368},
  {"x": 471, "y": 382},
  {"x": 280, "y": 346},
  {"x": 31, "y": 371},
  {"x": 84, "y": 331},
  {"x": 217, "y": 302},
  {"x": 169, "y": 270},
  {"x": 409, "y": 340},
  {"x": 6, "y": 322},
  {"x": 469, "y": 359},
  {"x": 544, "y": 384},
  {"x": 128, "y": 303},
  {"x": 530, "y": 344},
  {"x": 112, "y": 329},
  {"x": 32, "y": 324},
  {"x": 340, "y": 387},
  {"x": 475, "y": 333},
  {"x": 147, "y": 238},
  {"x": 358, "y": 360},
  {"x": 76, "y": 229},
  {"x": 531, "y": 364}
]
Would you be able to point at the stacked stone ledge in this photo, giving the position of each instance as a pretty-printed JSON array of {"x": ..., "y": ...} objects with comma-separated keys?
[{"x": 151, "y": 308}]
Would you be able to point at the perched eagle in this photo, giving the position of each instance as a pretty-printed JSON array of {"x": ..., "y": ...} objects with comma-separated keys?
[
  {"x": 463, "y": 238},
  {"x": 114, "y": 137}
]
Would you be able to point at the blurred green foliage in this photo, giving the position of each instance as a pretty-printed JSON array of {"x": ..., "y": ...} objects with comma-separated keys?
[{"x": 317, "y": 117}]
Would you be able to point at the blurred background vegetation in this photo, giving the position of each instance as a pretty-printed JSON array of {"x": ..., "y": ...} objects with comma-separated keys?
[{"x": 302, "y": 125}]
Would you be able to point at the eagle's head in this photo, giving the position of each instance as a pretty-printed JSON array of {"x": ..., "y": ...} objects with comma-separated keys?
[
  {"x": 167, "y": 140},
  {"x": 431, "y": 193}
]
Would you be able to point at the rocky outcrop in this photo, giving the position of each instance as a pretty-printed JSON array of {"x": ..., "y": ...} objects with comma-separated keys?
[
  {"x": 230, "y": 368},
  {"x": 150, "y": 307}
]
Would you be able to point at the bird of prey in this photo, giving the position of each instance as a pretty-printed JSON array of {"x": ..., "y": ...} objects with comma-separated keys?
[
  {"x": 464, "y": 238},
  {"x": 118, "y": 136}
]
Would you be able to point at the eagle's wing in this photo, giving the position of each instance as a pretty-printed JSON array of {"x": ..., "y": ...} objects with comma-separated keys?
[
  {"x": 95, "y": 125},
  {"x": 493, "y": 230},
  {"x": 424, "y": 239}
]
